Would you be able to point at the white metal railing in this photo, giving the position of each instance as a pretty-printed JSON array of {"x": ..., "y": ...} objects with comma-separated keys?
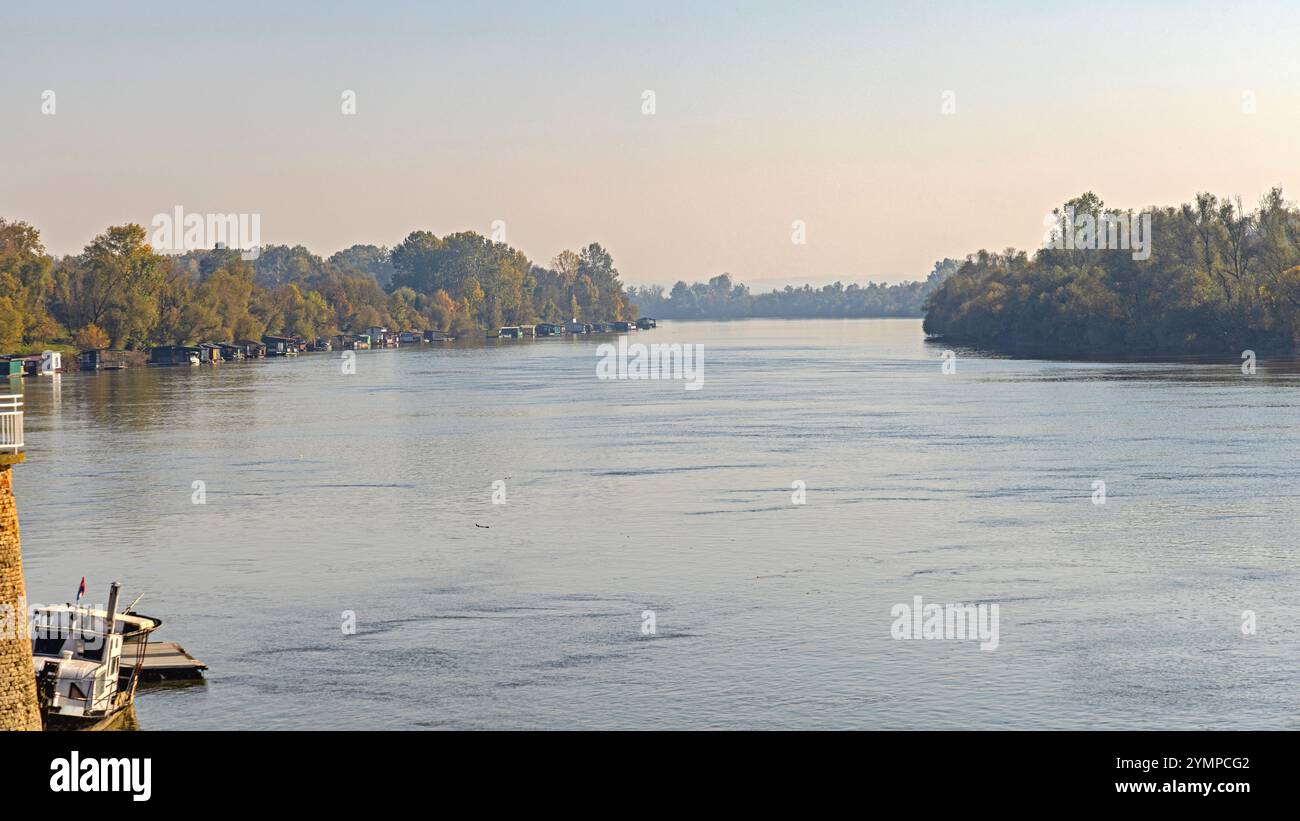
[{"x": 11, "y": 422}]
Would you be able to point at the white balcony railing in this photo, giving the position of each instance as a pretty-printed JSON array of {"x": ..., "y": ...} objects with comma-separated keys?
[{"x": 11, "y": 422}]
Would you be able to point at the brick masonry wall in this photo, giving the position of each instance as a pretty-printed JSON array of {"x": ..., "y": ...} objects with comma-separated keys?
[{"x": 18, "y": 710}]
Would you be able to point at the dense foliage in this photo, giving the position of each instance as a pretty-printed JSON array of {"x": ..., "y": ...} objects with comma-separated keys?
[
  {"x": 1218, "y": 280},
  {"x": 119, "y": 292},
  {"x": 721, "y": 298}
]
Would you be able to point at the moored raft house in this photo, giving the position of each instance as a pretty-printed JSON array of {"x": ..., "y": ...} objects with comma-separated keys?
[
  {"x": 280, "y": 345},
  {"x": 102, "y": 359},
  {"x": 252, "y": 349},
  {"x": 351, "y": 342},
  {"x": 174, "y": 355},
  {"x": 645, "y": 323},
  {"x": 231, "y": 352}
]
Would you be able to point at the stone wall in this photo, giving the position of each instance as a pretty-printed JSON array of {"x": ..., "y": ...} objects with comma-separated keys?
[{"x": 18, "y": 710}]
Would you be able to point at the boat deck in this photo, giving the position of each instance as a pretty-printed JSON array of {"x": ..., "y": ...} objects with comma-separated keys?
[{"x": 167, "y": 661}]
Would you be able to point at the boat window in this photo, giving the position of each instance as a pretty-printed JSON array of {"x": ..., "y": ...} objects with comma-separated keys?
[{"x": 49, "y": 643}]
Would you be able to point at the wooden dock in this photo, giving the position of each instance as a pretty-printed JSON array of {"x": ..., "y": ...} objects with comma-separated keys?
[{"x": 166, "y": 661}]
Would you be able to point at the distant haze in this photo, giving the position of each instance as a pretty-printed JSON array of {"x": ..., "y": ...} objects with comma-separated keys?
[{"x": 766, "y": 113}]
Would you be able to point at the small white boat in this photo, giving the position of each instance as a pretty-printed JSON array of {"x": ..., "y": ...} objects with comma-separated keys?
[{"x": 82, "y": 679}]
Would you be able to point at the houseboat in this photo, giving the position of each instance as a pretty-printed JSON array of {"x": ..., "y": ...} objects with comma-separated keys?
[
  {"x": 549, "y": 329},
  {"x": 438, "y": 336},
  {"x": 231, "y": 352},
  {"x": 623, "y": 327},
  {"x": 83, "y": 678},
  {"x": 209, "y": 353},
  {"x": 174, "y": 355},
  {"x": 576, "y": 327},
  {"x": 410, "y": 338},
  {"x": 645, "y": 323},
  {"x": 252, "y": 349},
  {"x": 102, "y": 359},
  {"x": 510, "y": 332},
  {"x": 280, "y": 345}
]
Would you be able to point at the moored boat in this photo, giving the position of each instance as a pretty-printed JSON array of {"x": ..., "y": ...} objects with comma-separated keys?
[{"x": 83, "y": 680}]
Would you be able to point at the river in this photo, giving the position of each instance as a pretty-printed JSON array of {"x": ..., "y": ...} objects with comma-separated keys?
[{"x": 327, "y": 497}]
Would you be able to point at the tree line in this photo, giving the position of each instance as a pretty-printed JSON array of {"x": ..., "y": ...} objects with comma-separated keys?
[
  {"x": 119, "y": 292},
  {"x": 723, "y": 298},
  {"x": 1219, "y": 279}
]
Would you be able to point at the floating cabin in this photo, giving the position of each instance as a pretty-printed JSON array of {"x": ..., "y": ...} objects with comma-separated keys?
[
  {"x": 443, "y": 336},
  {"x": 549, "y": 329},
  {"x": 410, "y": 338},
  {"x": 577, "y": 328},
  {"x": 352, "y": 342},
  {"x": 12, "y": 366},
  {"x": 645, "y": 323},
  {"x": 511, "y": 332},
  {"x": 381, "y": 337},
  {"x": 600, "y": 328},
  {"x": 280, "y": 345},
  {"x": 102, "y": 359},
  {"x": 46, "y": 363},
  {"x": 322, "y": 344},
  {"x": 623, "y": 327},
  {"x": 174, "y": 355},
  {"x": 209, "y": 353},
  {"x": 231, "y": 352},
  {"x": 252, "y": 349}
]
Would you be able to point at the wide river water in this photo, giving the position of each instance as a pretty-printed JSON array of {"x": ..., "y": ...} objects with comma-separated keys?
[{"x": 372, "y": 492}]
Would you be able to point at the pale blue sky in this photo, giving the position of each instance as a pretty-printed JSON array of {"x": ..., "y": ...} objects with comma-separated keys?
[{"x": 531, "y": 113}]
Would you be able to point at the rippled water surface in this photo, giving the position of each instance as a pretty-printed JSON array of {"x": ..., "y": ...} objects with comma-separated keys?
[{"x": 372, "y": 493}]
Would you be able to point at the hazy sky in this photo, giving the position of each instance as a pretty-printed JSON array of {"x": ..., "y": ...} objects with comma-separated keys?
[{"x": 766, "y": 113}]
